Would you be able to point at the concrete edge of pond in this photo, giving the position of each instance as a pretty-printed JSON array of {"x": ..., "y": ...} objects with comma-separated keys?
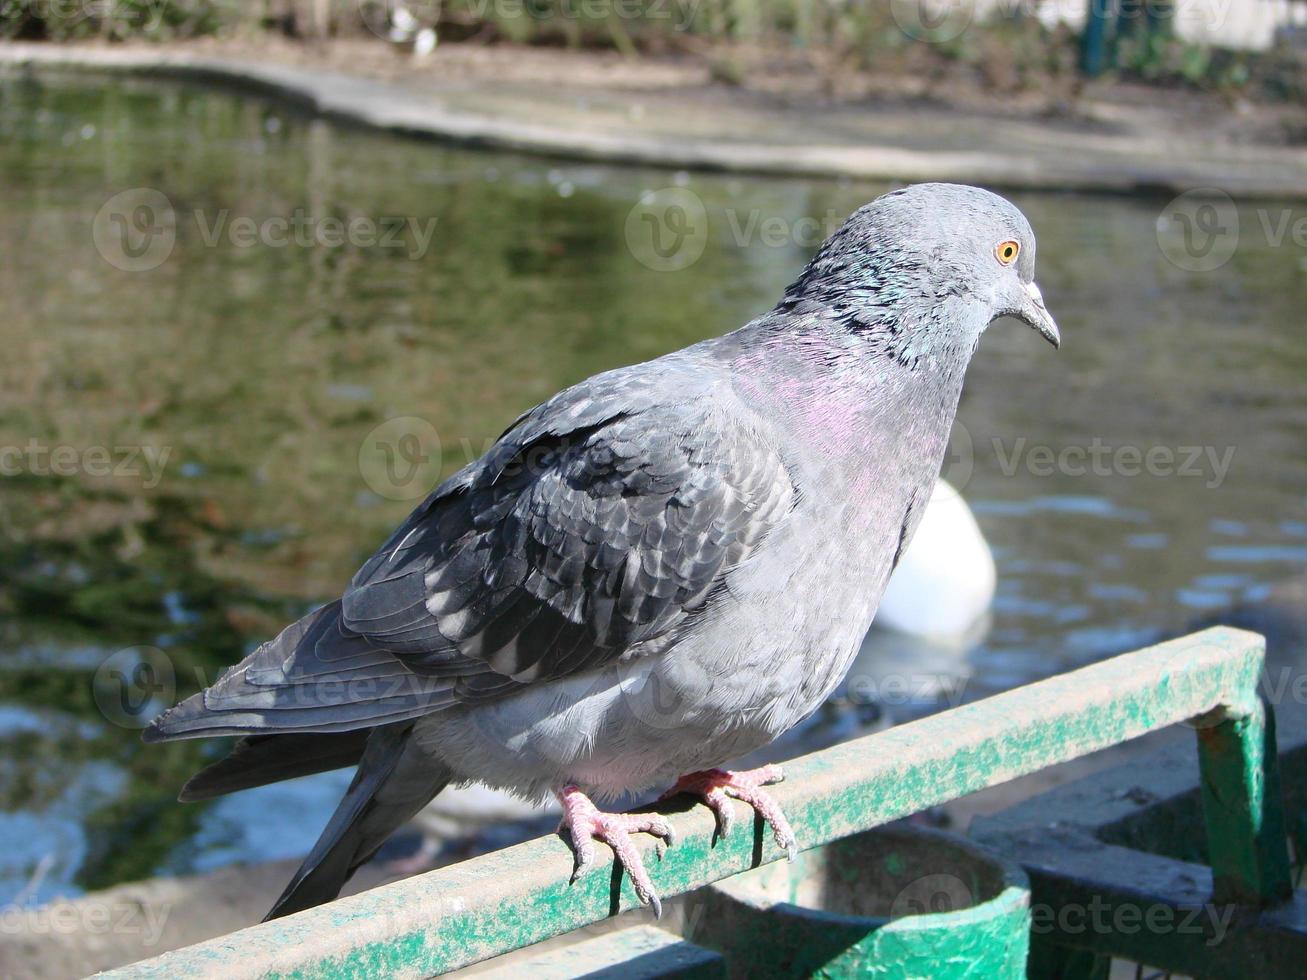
[{"x": 1053, "y": 160}]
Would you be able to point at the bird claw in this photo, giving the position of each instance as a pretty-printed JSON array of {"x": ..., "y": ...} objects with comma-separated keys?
[
  {"x": 585, "y": 824},
  {"x": 717, "y": 787}
]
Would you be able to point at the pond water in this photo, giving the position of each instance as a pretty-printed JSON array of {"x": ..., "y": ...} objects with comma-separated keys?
[{"x": 192, "y": 451}]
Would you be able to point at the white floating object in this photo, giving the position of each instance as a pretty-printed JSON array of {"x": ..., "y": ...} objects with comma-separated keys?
[
  {"x": 424, "y": 43},
  {"x": 403, "y": 19},
  {"x": 945, "y": 581}
]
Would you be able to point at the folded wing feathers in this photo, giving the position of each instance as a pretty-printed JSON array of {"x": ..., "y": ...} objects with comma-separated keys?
[{"x": 584, "y": 533}]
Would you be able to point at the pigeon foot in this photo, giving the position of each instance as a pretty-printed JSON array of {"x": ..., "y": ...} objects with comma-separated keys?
[
  {"x": 717, "y": 787},
  {"x": 586, "y": 823}
]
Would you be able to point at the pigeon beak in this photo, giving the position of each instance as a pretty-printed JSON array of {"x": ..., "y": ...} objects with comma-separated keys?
[{"x": 1030, "y": 308}]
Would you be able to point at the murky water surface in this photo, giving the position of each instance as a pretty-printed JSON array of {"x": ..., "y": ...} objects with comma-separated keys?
[{"x": 192, "y": 454}]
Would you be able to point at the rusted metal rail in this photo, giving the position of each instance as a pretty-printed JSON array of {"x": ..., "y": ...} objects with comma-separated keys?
[{"x": 468, "y": 912}]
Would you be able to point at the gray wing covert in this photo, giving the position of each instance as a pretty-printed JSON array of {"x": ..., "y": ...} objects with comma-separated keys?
[
  {"x": 595, "y": 528},
  {"x": 566, "y": 548}
]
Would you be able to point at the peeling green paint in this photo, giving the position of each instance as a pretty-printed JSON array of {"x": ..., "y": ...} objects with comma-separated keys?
[
  {"x": 927, "y": 904},
  {"x": 502, "y": 901},
  {"x": 1246, "y": 841}
]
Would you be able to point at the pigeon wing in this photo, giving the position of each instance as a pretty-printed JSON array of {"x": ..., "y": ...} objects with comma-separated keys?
[
  {"x": 595, "y": 528},
  {"x": 571, "y": 545}
]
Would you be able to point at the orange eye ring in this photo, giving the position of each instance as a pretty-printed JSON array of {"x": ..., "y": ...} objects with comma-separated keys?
[{"x": 1007, "y": 251}]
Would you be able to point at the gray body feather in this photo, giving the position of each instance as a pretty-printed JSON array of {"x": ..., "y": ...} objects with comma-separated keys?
[{"x": 657, "y": 570}]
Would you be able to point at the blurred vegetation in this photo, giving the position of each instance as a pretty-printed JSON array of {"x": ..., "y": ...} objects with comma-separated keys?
[
  {"x": 1010, "y": 50},
  {"x": 119, "y": 20},
  {"x": 264, "y": 370}
]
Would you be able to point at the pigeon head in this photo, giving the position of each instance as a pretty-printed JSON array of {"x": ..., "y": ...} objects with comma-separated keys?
[{"x": 927, "y": 266}]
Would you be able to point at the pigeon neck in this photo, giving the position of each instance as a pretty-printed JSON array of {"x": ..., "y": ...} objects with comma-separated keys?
[
  {"x": 852, "y": 400},
  {"x": 937, "y": 335}
]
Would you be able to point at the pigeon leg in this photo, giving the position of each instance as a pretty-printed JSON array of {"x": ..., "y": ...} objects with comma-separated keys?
[
  {"x": 586, "y": 823},
  {"x": 718, "y": 786}
]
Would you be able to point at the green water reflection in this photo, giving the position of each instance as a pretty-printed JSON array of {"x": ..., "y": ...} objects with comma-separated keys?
[{"x": 256, "y": 371}]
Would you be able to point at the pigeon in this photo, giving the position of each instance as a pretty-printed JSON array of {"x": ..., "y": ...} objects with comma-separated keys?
[{"x": 656, "y": 571}]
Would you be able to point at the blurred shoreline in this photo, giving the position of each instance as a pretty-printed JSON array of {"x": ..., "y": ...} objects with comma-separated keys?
[{"x": 675, "y": 112}]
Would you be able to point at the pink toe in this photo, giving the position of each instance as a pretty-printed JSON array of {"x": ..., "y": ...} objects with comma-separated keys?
[
  {"x": 717, "y": 786},
  {"x": 586, "y": 823}
]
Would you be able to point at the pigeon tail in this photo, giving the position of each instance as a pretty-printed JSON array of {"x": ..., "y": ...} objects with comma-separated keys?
[
  {"x": 393, "y": 782},
  {"x": 315, "y": 676},
  {"x": 258, "y": 760}
]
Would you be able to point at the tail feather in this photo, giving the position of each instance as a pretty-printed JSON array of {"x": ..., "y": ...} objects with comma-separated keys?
[
  {"x": 393, "y": 782},
  {"x": 314, "y": 676},
  {"x": 260, "y": 759}
]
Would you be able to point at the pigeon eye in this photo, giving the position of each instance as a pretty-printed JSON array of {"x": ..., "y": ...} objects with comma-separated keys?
[{"x": 1007, "y": 251}]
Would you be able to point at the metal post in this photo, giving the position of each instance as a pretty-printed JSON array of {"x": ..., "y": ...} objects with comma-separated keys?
[
  {"x": 1093, "y": 43},
  {"x": 1246, "y": 842}
]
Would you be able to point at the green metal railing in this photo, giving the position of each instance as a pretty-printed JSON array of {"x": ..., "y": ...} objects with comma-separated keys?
[
  {"x": 1117, "y": 866},
  {"x": 502, "y": 901}
]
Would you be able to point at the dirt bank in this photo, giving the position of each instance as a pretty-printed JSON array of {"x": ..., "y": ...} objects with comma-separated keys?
[{"x": 788, "y": 120}]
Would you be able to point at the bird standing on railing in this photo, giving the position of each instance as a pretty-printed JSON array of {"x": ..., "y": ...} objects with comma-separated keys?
[{"x": 659, "y": 569}]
